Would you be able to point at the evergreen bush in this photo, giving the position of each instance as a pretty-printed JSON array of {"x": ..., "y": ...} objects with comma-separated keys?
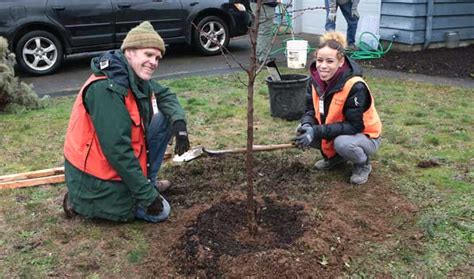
[{"x": 15, "y": 95}]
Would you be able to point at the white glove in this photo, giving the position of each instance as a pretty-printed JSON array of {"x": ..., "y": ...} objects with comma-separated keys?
[
  {"x": 332, "y": 16},
  {"x": 355, "y": 13}
]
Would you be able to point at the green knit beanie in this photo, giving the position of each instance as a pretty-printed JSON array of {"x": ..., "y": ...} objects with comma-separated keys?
[{"x": 143, "y": 36}]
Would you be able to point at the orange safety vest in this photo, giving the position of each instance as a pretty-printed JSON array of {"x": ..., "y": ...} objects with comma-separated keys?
[
  {"x": 82, "y": 148},
  {"x": 372, "y": 123}
]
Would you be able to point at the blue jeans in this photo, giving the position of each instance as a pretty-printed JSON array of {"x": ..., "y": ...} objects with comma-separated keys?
[
  {"x": 158, "y": 136},
  {"x": 346, "y": 10}
]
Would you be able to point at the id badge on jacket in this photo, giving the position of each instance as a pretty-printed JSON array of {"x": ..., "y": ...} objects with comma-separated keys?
[
  {"x": 321, "y": 107},
  {"x": 154, "y": 104}
]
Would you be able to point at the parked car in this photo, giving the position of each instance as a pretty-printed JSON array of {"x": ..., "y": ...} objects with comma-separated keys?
[{"x": 42, "y": 32}]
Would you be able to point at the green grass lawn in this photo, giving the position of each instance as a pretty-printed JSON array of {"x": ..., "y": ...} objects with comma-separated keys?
[{"x": 421, "y": 123}]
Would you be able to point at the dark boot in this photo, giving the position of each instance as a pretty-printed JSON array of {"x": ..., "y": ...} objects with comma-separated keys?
[
  {"x": 67, "y": 207},
  {"x": 327, "y": 164},
  {"x": 360, "y": 173}
]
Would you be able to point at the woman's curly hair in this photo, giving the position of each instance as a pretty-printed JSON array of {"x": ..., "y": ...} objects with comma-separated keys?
[
  {"x": 333, "y": 36},
  {"x": 333, "y": 39}
]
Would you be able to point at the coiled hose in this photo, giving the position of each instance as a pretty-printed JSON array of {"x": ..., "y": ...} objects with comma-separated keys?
[{"x": 365, "y": 51}]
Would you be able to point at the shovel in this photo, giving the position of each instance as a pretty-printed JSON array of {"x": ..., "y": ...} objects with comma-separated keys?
[
  {"x": 199, "y": 151},
  {"x": 272, "y": 69}
]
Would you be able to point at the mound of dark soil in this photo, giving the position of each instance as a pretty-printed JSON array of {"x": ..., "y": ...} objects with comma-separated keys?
[
  {"x": 310, "y": 224},
  {"x": 456, "y": 62},
  {"x": 221, "y": 233}
]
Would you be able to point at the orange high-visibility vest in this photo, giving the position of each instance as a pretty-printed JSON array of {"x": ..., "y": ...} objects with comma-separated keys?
[
  {"x": 372, "y": 123},
  {"x": 82, "y": 148}
]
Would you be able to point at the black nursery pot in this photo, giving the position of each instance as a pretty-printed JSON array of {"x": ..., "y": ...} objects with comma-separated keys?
[{"x": 287, "y": 96}]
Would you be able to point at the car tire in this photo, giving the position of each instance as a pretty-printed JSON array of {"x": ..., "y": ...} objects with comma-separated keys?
[
  {"x": 209, "y": 29},
  {"x": 39, "y": 53}
]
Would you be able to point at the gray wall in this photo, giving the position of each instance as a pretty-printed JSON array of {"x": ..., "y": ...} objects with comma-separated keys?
[{"x": 408, "y": 20}]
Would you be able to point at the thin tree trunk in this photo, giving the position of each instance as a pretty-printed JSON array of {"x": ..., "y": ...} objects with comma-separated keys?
[
  {"x": 251, "y": 207},
  {"x": 252, "y": 74}
]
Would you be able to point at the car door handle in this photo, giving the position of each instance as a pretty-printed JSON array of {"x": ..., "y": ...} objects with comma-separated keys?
[
  {"x": 193, "y": 4},
  {"x": 123, "y": 5},
  {"x": 58, "y": 8}
]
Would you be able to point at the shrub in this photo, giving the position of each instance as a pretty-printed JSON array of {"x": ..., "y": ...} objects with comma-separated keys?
[{"x": 15, "y": 95}]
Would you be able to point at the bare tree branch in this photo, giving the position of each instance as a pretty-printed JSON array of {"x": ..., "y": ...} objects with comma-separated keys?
[
  {"x": 229, "y": 57},
  {"x": 252, "y": 71}
]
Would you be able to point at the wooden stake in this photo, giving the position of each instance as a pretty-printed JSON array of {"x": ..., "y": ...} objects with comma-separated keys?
[
  {"x": 39, "y": 177},
  {"x": 31, "y": 174},
  {"x": 33, "y": 182}
]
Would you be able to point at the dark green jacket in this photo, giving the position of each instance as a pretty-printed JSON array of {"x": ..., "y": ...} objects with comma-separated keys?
[{"x": 104, "y": 100}]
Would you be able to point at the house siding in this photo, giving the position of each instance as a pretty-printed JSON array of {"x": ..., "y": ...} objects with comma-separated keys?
[
  {"x": 313, "y": 21},
  {"x": 406, "y": 20}
]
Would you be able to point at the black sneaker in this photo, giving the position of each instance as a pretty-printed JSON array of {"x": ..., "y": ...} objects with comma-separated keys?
[
  {"x": 352, "y": 47},
  {"x": 327, "y": 164}
]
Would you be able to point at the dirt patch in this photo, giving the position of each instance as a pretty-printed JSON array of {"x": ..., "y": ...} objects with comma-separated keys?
[
  {"x": 220, "y": 234},
  {"x": 456, "y": 62},
  {"x": 430, "y": 163},
  {"x": 310, "y": 223}
]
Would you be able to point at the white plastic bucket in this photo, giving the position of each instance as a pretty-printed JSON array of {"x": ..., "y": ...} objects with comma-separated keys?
[{"x": 296, "y": 53}]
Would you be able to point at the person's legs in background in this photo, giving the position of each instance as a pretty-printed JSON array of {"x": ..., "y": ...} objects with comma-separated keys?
[
  {"x": 352, "y": 22},
  {"x": 330, "y": 25},
  {"x": 264, "y": 37},
  {"x": 357, "y": 149},
  {"x": 158, "y": 136}
]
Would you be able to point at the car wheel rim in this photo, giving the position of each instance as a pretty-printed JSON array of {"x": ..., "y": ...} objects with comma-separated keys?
[
  {"x": 40, "y": 53},
  {"x": 212, "y": 36}
]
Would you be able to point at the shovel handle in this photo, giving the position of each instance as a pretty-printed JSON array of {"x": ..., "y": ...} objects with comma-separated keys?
[{"x": 255, "y": 148}]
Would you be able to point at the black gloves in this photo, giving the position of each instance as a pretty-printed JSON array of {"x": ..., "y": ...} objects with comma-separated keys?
[
  {"x": 155, "y": 207},
  {"x": 180, "y": 132}
]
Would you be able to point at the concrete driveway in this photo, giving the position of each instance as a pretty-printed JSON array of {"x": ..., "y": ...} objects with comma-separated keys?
[{"x": 179, "y": 61}]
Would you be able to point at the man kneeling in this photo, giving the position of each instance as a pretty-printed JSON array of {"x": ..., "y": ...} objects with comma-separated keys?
[{"x": 119, "y": 128}]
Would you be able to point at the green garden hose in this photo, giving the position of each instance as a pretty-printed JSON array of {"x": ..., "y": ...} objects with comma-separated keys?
[
  {"x": 364, "y": 51},
  {"x": 367, "y": 52}
]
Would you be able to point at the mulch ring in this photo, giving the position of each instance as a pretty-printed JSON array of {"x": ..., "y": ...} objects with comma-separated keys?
[{"x": 317, "y": 234}]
